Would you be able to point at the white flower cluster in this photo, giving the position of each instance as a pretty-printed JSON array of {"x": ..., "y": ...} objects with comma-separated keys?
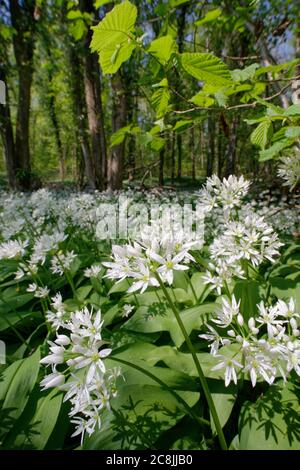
[
  {"x": 289, "y": 169},
  {"x": 13, "y": 249},
  {"x": 76, "y": 360},
  {"x": 227, "y": 193},
  {"x": 153, "y": 253},
  {"x": 61, "y": 262},
  {"x": 262, "y": 348},
  {"x": 252, "y": 240}
]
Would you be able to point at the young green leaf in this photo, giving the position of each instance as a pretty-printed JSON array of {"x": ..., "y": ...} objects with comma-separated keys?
[
  {"x": 262, "y": 134},
  {"x": 162, "y": 48},
  {"x": 206, "y": 67}
]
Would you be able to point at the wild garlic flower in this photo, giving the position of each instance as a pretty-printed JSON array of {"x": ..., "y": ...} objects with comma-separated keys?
[
  {"x": 78, "y": 368},
  {"x": 252, "y": 240},
  {"x": 93, "y": 271},
  {"x": 60, "y": 318},
  {"x": 289, "y": 169},
  {"x": 152, "y": 253},
  {"x": 261, "y": 348},
  {"x": 62, "y": 262},
  {"x": 227, "y": 193},
  {"x": 13, "y": 249}
]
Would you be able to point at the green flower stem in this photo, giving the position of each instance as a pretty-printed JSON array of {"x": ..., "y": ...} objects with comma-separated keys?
[
  {"x": 202, "y": 378},
  {"x": 69, "y": 279},
  {"x": 166, "y": 387},
  {"x": 192, "y": 288}
]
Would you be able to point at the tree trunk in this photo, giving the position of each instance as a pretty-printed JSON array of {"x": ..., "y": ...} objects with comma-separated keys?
[
  {"x": 23, "y": 22},
  {"x": 161, "y": 167},
  {"x": 172, "y": 157},
  {"x": 179, "y": 156},
  {"x": 296, "y": 84},
  {"x": 231, "y": 153},
  {"x": 211, "y": 149},
  {"x": 116, "y": 157},
  {"x": 181, "y": 26},
  {"x": 92, "y": 87},
  {"x": 6, "y": 130},
  {"x": 79, "y": 109},
  {"x": 192, "y": 152}
]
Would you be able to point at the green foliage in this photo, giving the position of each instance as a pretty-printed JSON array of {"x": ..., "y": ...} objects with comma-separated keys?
[
  {"x": 162, "y": 48},
  {"x": 206, "y": 67},
  {"x": 273, "y": 421},
  {"x": 113, "y": 37}
]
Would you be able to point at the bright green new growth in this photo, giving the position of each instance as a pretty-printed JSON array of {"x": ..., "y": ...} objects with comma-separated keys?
[{"x": 113, "y": 37}]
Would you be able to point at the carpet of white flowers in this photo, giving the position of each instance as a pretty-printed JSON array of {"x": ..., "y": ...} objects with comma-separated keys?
[{"x": 161, "y": 340}]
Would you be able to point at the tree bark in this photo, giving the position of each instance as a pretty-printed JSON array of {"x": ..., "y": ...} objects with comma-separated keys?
[
  {"x": 231, "y": 151},
  {"x": 296, "y": 84},
  {"x": 6, "y": 130},
  {"x": 192, "y": 152},
  {"x": 119, "y": 113},
  {"x": 92, "y": 87},
  {"x": 22, "y": 18},
  {"x": 211, "y": 150},
  {"x": 80, "y": 114},
  {"x": 161, "y": 167}
]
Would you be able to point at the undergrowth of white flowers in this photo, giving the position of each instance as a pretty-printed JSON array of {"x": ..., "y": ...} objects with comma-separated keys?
[{"x": 137, "y": 335}]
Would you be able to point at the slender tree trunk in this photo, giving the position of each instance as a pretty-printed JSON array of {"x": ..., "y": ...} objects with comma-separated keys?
[
  {"x": 296, "y": 84},
  {"x": 192, "y": 152},
  {"x": 79, "y": 109},
  {"x": 172, "y": 157},
  {"x": 6, "y": 130},
  {"x": 161, "y": 167},
  {"x": 179, "y": 156},
  {"x": 23, "y": 22},
  {"x": 92, "y": 87},
  {"x": 211, "y": 149},
  {"x": 181, "y": 19},
  {"x": 119, "y": 113},
  {"x": 231, "y": 153}
]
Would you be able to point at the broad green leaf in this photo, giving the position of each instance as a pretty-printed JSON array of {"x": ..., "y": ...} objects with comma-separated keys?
[
  {"x": 14, "y": 317},
  {"x": 262, "y": 134},
  {"x": 224, "y": 399},
  {"x": 274, "y": 150},
  {"x": 209, "y": 17},
  {"x": 157, "y": 143},
  {"x": 206, "y": 67},
  {"x": 248, "y": 292},
  {"x": 160, "y": 100},
  {"x": 16, "y": 383},
  {"x": 241, "y": 75},
  {"x": 149, "y": 408},
  {"x": 83, "y": 292},
  {"x": 121, "y": 286},
  {"x": 201, "y": 289},
  {"x": 272, "y": 423},
  {"x": 293, "y": 110},
  {"x": 202, "y": 100},
  {"x": 112, "y": 58},
  {"x": 287, "y": 287},
  {"x": 113, "y": 36},
  {"x": 292, "y": 131},
  {"x": 115, "y": 28},
  {"x": 182, "y": 125},
  {"x": 162, "y": 48},
  {"x": 118, "y": 137},
  {"x": 37, "y": 422},
  {"x": 158, "y": 317}
]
